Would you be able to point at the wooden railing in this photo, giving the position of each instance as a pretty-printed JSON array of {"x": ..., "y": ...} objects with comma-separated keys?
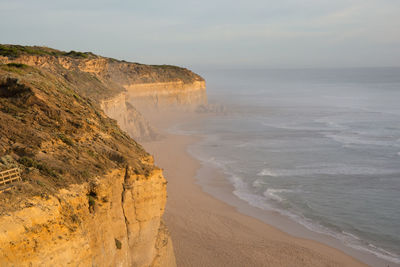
[{"x": 10, "y": 176}]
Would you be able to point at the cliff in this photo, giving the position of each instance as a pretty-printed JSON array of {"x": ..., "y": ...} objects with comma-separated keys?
[
  {"x": 115, "y": 221},
  {"x": 128, "y": 118},
  {"x": 123, "y": 89},
  {"x": 90, "y": 194}
]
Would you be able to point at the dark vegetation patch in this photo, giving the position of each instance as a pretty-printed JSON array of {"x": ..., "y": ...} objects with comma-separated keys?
[
  {"x": 41, "y": 166},
  {"x": 92, "y": 198},
  {"x": 14, "y": 51},
  {"x": 17, "y": 65},
  {"x": 65, "y": 139},
  {"x": 10, "y": 87},
  {"x": 75, "y": 54}
]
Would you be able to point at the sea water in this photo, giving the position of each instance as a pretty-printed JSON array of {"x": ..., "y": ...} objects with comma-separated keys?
[{"x": 320, "y": 146}]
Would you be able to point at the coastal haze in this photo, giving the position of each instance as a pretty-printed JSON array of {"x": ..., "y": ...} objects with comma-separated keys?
[{"x": 319, "y": 146}]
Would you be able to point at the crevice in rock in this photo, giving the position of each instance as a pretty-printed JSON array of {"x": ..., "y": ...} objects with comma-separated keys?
[{"x": 124, "y": 188}]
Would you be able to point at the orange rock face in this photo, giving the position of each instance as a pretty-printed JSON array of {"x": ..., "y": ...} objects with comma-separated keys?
[{"x": 114, "y": 222}]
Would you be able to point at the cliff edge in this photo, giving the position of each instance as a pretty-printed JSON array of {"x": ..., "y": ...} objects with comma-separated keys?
[
  {"x": 124, "y": 90},
  {"x": 89, "y": 195}
]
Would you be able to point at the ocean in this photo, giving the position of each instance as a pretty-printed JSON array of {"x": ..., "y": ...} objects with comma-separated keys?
[{"x": 322, "y": 147}]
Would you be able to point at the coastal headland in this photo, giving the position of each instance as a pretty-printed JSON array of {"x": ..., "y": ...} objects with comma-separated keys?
[{"x": 92, "y": 195}]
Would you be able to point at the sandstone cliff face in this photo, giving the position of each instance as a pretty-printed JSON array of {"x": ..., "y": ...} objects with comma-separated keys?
[
  {"x": 128, "y": 118},
  {"x": 114, "y": 221},
  {"x": 79, "y": 204},
  {"x": 144, "y": 98},
  {"x": 168, "y": 95}
]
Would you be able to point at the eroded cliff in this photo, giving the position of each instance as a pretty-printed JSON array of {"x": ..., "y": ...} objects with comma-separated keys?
[
  {"x": 90, "y": 194},
  {"x": 128, "y": 85},
  {"x": 128, "y": 118},
  {"x": 113, "y": 221}
]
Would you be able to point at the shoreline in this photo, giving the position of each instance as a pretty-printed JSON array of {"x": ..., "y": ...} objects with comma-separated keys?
[
  {"x": 213, "y": 229},
  {"x": 220, "y": 188}
]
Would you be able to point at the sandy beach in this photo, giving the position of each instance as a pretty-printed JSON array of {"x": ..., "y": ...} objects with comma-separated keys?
[{"x": 207, "y": 232}]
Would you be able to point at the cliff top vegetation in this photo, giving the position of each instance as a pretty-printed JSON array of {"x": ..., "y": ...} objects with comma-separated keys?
[
  {"x": 57, "y": 135},
  {"x": 96, "y": 77},
  {"x": 14, "y": 51}
]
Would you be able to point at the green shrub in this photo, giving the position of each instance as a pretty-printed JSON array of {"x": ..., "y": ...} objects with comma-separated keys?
[
  {"x": 65, "y": 139},
  {"x": 46, "y": 170},
  {"x": 8, "y": 51},
  {"x": 42, "y": 167},
  {"x": 92, "y": 197},
  {"x": 27, "y": 162},
  {"x": 92, "y": 200},
  {"x": 92, "y": 153},
  {"x": 14, "y": 51},
  {"x": 76, "y": 54},
  {"x": 85, "y": 174},
  {"x": 116, "y": 157}
]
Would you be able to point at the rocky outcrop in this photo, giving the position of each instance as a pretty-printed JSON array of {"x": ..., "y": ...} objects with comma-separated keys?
[{"x": 113, "y": 221}]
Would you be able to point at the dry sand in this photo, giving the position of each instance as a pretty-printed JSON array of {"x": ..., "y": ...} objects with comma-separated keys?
[{"x": 207, "y": 232}]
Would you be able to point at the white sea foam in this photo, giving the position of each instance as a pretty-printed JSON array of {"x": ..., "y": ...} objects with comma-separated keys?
[
  {"x": 274, "y": 194},
  {"x": 266, "y": 172},
  {"x": 243, "y": 192},
  {"x": 294, "y": 126},
  {"x": 333, "y": 169},
  {"x": 379, "y": 252},
  {"x": 348, "y": 139},
  {"x": 259, "y": 183},
  {"x": 262, "y": 202},
  {"x": 331, "y": 123}
]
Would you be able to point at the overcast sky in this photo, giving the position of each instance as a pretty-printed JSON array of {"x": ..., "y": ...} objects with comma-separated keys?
[{"x": 252, "y": 33}]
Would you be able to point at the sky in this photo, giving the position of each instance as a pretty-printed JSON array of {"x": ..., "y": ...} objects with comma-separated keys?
[{"x": 221, "y": 33}]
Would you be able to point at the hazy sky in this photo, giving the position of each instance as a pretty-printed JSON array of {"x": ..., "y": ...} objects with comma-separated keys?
[{"x": 271, "y": 33}]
